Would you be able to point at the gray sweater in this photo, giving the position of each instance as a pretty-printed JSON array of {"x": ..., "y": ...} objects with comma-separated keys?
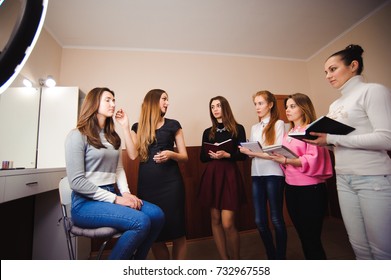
[{"x": 88, "y": 167}]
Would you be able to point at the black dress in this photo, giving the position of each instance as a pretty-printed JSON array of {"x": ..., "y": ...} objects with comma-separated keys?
[
  {"x": 162, "y": 183},
  {"x": 221, "y": 184}
]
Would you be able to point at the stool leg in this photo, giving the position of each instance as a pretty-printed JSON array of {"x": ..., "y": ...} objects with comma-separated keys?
[{"x": 102, "y": 247}]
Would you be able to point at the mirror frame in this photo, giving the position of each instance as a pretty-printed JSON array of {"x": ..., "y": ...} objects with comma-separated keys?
[{"x": 23, "y": 38}]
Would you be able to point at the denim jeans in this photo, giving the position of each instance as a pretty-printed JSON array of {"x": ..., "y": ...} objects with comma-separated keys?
[
  {"x": 270, "y": 189},
  {"x": 140, "y": 227},
  {"x": 307, "y": 208},
  {"x": 365, "y": 203}
]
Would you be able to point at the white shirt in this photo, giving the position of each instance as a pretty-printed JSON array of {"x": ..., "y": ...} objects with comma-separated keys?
[
  {"x": 366, "y": 107},
  {"x": 264, "y": 167}
]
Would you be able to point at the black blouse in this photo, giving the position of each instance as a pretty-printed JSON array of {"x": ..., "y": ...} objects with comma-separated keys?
[{"x": 221, "y": 136}]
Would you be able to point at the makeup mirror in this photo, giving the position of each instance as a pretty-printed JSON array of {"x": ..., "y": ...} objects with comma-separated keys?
[{"x": 19, "y": 113}]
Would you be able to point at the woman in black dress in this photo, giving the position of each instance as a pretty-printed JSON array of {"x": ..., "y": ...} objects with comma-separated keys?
[
  {"x": 160, "y": 182},
  {"x": 221, "y": 187}
]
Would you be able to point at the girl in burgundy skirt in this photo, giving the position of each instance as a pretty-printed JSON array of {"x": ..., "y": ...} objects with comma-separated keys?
[{"x": 221, "y": 187}]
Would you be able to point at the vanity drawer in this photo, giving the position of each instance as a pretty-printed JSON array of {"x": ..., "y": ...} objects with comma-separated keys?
[
  {"x": 22, "y": 185},
  {"x": 29, "y": 184},
  {"x": 2, "y": 186}
]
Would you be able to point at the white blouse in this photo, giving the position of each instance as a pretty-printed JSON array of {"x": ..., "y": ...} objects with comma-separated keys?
[{"x": 264, "y": 167}]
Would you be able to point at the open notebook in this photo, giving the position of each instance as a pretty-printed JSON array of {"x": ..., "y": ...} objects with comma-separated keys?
[
  {"x": 325, "y": 125},
  {"x": 256, "y": 147},
  {"x": 214, "y": 147}
]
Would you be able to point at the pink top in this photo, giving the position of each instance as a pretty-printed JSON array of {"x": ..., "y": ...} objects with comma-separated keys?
[{"x": 316, "y": 163}]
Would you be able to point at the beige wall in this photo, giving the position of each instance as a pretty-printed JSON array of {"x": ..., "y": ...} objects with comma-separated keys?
[
  {"x": 374, "y": 36},
  {"x": 192, "y": 79},
  {"x": 189, "y": 79},
  {"x": 44, "y": 60}
]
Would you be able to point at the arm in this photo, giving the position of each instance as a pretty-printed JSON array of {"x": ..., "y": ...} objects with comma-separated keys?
[
  {"x": 285, "y": 161},
  {"x": 313, "y": 161},
  {"x": 279, "y": 134},
  {"x": 377, "y": 132},
  {"x": 377, "y": 106},
  {"x": 237, "y": 155},
  {"x": 250, "y": 153},
  {"x": 122, "y": 181},
  {"x": 75, "y": 147},
  {"x": 129, "y": 135},
  {"x": 127, "y": 199},
  {"x": 204, "y": 157},
  {"x": 280, "y": 131},
  {"x": 180, "y": 156}
]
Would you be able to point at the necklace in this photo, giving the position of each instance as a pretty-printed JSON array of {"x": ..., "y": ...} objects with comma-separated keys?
[
  {"x": 221, "y": 129},
  {"x": 296, "y": 128},
  {"x": 293, "y": 129}
]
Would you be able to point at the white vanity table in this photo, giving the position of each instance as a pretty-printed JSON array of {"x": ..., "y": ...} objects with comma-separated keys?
[
  {"x": 29, "y": 200},
  {"x": 19, "y": 183},
  {"x": 34, "y": 123},
  {"x": 39, "y": 188}
]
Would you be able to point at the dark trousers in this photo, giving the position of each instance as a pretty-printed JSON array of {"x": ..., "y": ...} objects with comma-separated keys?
[{"x": 307, "y": 207}]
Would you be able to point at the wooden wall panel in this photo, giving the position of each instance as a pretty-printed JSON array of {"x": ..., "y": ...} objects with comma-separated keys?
[
  {"x": 281, "y": 106},
  {"x": 198, "y": 217}
]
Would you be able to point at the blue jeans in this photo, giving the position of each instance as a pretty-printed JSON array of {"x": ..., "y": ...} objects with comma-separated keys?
[
  {"x": 140, "y": 227},
  {"x": 365, "y": 203},
  {"x": 270, "y": 188}
]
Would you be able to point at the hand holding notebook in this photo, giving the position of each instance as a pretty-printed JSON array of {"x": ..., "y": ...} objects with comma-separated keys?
[
  {"x": 222, "y": 146},
  {"x": 323, "y": 125},
  {"x": 256, "y": 147}
]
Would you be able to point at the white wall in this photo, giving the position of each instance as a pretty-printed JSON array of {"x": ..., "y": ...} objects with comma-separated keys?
[{"x": 44, "y": 60}]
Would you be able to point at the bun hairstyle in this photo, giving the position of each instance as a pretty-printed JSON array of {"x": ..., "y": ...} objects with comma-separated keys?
[{"x": 350, "y": 53}]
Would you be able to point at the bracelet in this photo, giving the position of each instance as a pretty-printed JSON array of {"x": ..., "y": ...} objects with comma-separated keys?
[{"x": 285, "y": 161}]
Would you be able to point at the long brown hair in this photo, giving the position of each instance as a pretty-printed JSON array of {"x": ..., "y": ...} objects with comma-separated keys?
[
  {"x": 306, "y": 106},
  {"x": 88, "y": 123},
  {"x": 228, "y": 118},
  {"x": 269, "y": 132},
  {"x": 150, "y": 116}
]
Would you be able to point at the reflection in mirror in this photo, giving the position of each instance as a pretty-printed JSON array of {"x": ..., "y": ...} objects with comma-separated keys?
[
  {"x": 10, "y": 14},
  {"x": 19, "y": 113}
]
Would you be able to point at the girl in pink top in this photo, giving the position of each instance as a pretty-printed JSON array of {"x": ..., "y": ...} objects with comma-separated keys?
[{"x": 305, "y": 177}]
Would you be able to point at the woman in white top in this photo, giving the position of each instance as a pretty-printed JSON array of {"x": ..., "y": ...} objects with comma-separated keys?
[
  {"x": 363, "y": 166},
  {"x": 267, "y": 176}
]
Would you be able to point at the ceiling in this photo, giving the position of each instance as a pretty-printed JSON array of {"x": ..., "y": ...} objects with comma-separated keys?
[{"x": 287, "y": 29}]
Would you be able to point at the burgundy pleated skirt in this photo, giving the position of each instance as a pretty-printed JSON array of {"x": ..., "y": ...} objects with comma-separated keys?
[{"x": 222, "y": 186}]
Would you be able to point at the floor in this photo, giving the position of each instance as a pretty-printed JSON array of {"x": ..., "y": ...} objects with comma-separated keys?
[{"x": 335, "y": 242}]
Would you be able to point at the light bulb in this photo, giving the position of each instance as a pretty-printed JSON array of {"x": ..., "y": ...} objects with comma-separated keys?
[
  {"x": 27, "y": 83},
  {"x": 50, "y": 82}
]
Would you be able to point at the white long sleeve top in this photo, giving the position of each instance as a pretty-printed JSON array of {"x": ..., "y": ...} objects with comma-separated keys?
[
  {"x": 366, "y": 107},
  {"x": 260, "y": 166}
]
